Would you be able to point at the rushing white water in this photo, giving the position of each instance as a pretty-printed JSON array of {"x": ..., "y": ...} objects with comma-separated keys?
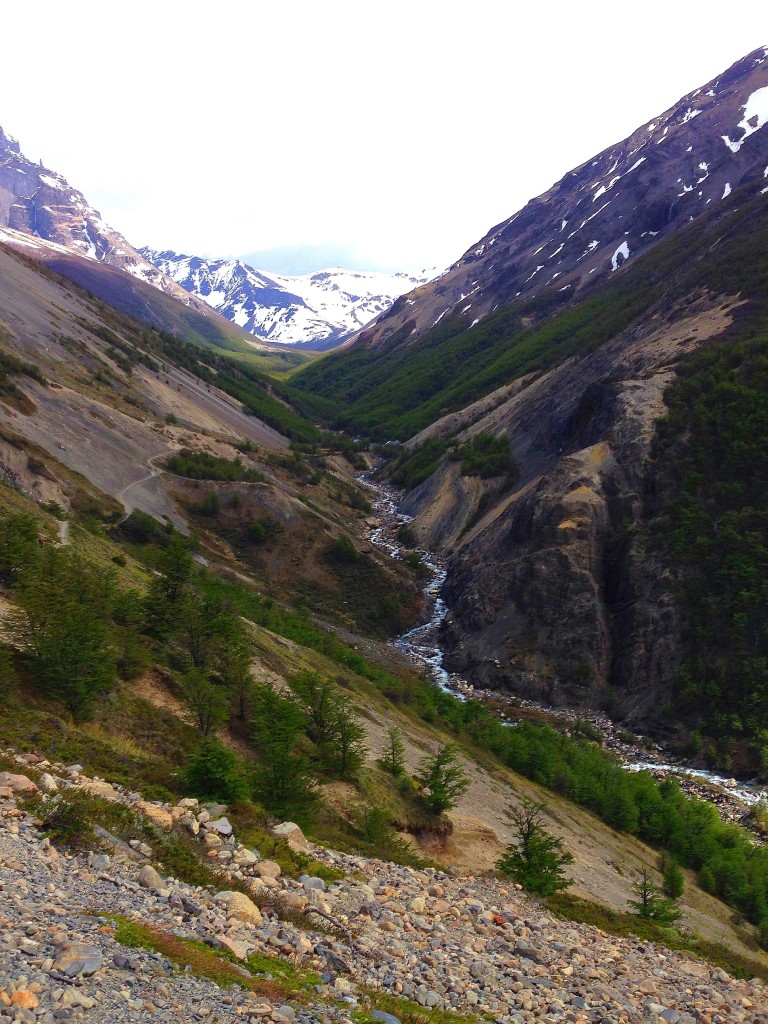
[
  {"x": 422, "y": 645},
  {"x": 419, "y": 643}
]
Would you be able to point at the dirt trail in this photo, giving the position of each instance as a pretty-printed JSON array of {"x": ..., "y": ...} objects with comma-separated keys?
[{"x": 155, "y": 471}]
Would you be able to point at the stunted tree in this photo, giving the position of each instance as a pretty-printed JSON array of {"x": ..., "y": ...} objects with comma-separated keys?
[
  {"x": 443, "y": 780},
  {"x": 536, "y": 859},
  {"x": 650, "y": 904},
  {"x": 392, "y": 758},
  {"x": 284, "y": 782}
]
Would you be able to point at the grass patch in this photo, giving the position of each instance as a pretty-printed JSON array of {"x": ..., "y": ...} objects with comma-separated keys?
[
  {"x": 267, "y": 976},
  {"x": 571, "y": 908},
  {"x": 406, "y": 1010}
]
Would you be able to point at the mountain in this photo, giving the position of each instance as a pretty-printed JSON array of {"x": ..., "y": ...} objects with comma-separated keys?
[
  {"x": 588, "y": 456},
  {"x": 44, "y": 217},
  {"x": 313, "y": 310},
  {"x": 36, "y": 201},
  {"x": 603, "y": 214}
]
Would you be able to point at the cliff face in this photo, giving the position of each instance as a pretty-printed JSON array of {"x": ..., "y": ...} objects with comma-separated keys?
[{"x": 556, "y": 591}]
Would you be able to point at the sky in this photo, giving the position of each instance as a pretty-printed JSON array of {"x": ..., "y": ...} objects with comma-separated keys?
[{"x": 305, "y": 134}]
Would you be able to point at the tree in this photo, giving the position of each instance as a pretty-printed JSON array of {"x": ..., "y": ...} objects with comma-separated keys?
[
  {"x": 347, "y": 752},
  {"x": 537, "y": 859},
  {"x": 331, "y": 724},
  {"x": 216, "y": 772},
  {"x": 284, "y": 782},
  {"x": 206, "y": 701},
  {"x": 674, "y": 881},
  {"x": 65, "y": 628},
  {"x": 392, "y": 758},
  {"x": 443, "y": 779},
  {"x": 650, "y": 904}
]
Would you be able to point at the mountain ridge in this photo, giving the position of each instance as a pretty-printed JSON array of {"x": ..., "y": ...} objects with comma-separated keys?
[
  {"x": 603, "y": 213},
  {"x": 314, "y": 311}
]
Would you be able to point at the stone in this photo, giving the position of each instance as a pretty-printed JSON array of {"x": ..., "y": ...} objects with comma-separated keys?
[
  {"x": 237, "y": 904},
  {"x": 293, "y": 835},
  {"x": 245, "y": 857},
  {"x": 309, "y": 882},
  {"x": 18, "y": 783},
  {"x": 188, "y": 802},
  {"x": 25, "y": 999},
  {"x": 383, "y": 1017},
  {"x": 267, "y": 869},
  {"x": 293, "y": 901},
  {"x": 97, "y": 787},
  {"x": 48, "y": 784},
  {"x": 150, "y": 879},
  {"x": 157, "y": 815},
  {"x": 73, "y": 958},
  {"x": 418, "y": 905},
  {"x": 221, "y": 825},
  {"x": 236, "y": 946}
]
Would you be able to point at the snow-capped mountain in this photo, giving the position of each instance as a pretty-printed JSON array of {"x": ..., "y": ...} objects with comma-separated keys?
[
  {"x": 603, "y": 214},
  {"x": 39, "y": 209},
  {"x": 313, "y": 310}
]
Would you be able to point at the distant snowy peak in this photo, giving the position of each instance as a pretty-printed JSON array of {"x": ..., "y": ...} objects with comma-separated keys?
[
  {"x": 604, "y": 213},
  {"x": 313, "y": 310}
]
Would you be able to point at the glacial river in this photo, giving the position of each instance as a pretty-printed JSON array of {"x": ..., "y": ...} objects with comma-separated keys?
[{"x": 422, "y": 646}]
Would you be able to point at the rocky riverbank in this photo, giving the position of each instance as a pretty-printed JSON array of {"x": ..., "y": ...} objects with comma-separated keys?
[{"x": 476, "y": 945}]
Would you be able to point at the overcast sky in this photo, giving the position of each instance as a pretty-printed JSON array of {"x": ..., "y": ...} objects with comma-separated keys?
[{"x": 318, "y": 132}]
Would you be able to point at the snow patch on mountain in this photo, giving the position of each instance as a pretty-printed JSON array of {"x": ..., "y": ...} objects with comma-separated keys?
[{"x": 312, "y": 310}]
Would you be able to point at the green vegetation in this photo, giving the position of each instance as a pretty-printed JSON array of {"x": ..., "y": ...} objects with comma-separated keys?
[
  {"x": 203, "y": 466},
  {"x": 571, "y": 908},
  {"x": 650, "y": 905},
  {"x": 712, "y": 522},
  {"x": 536, "y": 860},
  {"x": 415, "y": 465},
  {"x": 11, "y": 366},
  {"x": 395, "y": 390},
  {"x": 268, "y": 976},
  {"x": 443, "y": 779},
  {"x": 487, "y": 456}
]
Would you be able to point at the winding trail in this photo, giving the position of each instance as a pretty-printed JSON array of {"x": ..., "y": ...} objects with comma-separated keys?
[{"x": 155, "y": 472}]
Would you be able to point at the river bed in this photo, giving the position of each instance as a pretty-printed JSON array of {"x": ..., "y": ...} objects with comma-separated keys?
[{"x": 422, "y": 646}]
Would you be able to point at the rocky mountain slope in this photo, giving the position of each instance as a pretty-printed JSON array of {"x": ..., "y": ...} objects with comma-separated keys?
[
  {"x": 444, "y": 940},
  {"x": 38, "y": 202},
  {"x": 568, "y": 566},
  {"x": 605, "y": 213},
  {"x": 312, "y": 311},
  {"x": 43, "y": 216}
]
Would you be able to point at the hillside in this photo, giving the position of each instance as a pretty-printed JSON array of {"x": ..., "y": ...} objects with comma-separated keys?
[
  {"x": 584, "y": 568},
  {"x": 605, "y": 213}
]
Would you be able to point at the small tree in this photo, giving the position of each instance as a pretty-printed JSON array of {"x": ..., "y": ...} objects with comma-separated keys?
[
  {"x": 443, "y": 779},
  {"x": 650, "y": 904},
  {"x": 392, "y": 758},
  {"x": 206, "y": 701},
  {"x": 537, "y": 859},
  {"x": 216, "y": 772},
  {"x": 283, "y": 783},
  {"x": 674, "y": 881}
]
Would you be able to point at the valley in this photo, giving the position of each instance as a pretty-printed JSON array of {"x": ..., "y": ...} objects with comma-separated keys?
[{"x": 421, "y": 680}]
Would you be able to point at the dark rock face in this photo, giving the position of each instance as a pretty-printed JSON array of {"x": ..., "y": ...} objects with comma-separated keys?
[
  {"x": 556, "y": 593},
  {"x": 604, "y": 213}
]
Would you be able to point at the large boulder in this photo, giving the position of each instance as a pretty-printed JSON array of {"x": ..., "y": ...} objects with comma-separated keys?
[
  {"x": 18, "y": 783},
  {"x": 237, "y": 904},
  {"x": 293, "y": 835}
]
